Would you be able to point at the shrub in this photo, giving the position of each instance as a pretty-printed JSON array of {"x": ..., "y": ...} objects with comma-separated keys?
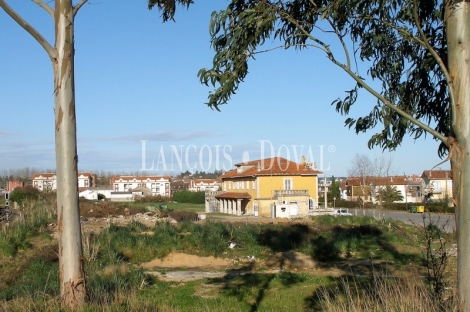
[
  {"x": 189, "y": 197},
  {"x": 22, "y": 194}
]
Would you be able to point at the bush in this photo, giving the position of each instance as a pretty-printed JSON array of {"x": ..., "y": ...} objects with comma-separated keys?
[
  {"x": 189, "y": 197},
  {"x": 22, "y": 194}
]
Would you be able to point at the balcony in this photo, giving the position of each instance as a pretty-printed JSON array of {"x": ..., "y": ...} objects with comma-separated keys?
[{"x": 283, "y": 193}]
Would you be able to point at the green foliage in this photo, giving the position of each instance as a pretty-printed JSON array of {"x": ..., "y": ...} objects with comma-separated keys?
[
  {"x": 384, "y": 36},
  {"x": 168, "y": 7},
  {"x": 389, "y": 195},
  {"x": 22, "y": 194},
  {"x": 334, "y": 189},
  {"x": 189, "y": 197}
]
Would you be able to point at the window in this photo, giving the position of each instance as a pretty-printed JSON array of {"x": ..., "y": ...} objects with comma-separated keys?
[
  {"x": 86, "y": 183},
  {"x": 287, "y": 184}
]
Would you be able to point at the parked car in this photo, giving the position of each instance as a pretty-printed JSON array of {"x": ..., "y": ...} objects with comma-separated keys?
[{"x": 342, "y": 212}]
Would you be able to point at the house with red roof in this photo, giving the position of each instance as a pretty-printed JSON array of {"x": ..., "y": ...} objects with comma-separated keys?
[
  {"x": 437, "y": 184},
  {"x": 48, "y": 181},
  {"x": 158, "y": 185},
  {"x": 274, "y": 187},
  {"x": 204, "y": 185},
  {"x": 367, "y": 188}
]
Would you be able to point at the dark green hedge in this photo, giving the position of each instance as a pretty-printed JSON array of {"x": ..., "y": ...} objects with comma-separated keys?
[{"x": 189, "y": 197}]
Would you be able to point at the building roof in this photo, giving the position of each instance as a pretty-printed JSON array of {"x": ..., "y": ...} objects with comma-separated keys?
[
  {"x": 391, "y": 180},
  {"x": 44, "y": 175},
  {"x": 139, "y": 179},
  {"x": 437, "y": 174},
  {"x": 270, "y": 166},
  {"x": 234, "y": 195},
  {"x": 204, "y": 181},
  {"x": 52, "y": 174}
]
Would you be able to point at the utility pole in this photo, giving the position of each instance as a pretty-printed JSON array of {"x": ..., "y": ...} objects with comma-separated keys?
[
  {"x": 324, "y": 189},
  {"x": 406, "y": 191}
]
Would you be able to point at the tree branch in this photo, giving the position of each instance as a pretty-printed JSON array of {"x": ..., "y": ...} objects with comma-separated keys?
[
  {"x": 367, "y": 87},
  {"x": 78, "y": 6},
  {"x": 45, "y": 7},
  {"x": 346, "y": 52},
  {"x": 396, "y": 109},
  {"x": 438, "y": 60},
  {"x": 286, "y": 46},
  {"x": 31, "y": 30}
]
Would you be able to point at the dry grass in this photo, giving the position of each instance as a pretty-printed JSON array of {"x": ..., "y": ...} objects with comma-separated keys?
[{"x": 386, "y": 294}]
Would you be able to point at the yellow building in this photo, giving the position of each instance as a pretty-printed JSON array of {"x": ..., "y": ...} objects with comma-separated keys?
[
  {"x": 274, "y": 187},
  {"x": 437, "y": 184}
]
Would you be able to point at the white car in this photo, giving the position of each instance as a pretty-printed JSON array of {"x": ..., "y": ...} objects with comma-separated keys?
[{"x": 341, "y": 212}]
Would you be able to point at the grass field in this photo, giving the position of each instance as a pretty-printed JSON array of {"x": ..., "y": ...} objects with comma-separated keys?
[{"x": 339, "y": 247}]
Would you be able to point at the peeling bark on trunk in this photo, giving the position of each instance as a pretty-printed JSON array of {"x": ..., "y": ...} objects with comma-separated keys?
[
  {"x": 458, "y": 45},
  {"x": 72, "y": 283}
]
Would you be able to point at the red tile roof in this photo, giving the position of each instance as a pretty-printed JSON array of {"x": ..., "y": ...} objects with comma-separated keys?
[
  {"x": 437, "y": 174},
  {"x": 45, "y": 175},
  {"x": 234, "y": 195},
  {"x": 138, "y": 179},
  {"x": 392, "y": 180},
  {"x": 269, "y": 166}
]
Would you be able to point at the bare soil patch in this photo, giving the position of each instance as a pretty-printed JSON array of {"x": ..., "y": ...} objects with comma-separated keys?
[{"x": 182, "y": 260}]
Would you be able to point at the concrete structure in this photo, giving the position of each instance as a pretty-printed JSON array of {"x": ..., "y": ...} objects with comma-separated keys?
[
  {"x": 158, "y": 185},
  {"x": 141, "y": 191},
  {"x": 121, "y": 196},
  {"x": 258, "y": 186}
]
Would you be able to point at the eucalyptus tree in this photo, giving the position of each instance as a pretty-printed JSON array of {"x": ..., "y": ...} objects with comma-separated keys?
[
  {"x": 417, "y": 50},
  {"x": 61, "y": 54}
]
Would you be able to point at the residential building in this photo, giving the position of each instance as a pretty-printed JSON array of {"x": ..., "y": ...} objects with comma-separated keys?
[
  {"x": 274, "y": 187},
  {"x": 158, "y": 185},
  {"x": 45, "y": 181},
  {"x": 103, "y": 190},
  {"x": 204, "y": 185},
  {"x": 85, "y": 180},
  {"x": 368, "y": 188},
  {"x": 88, "y": 194},
  {"x": 437, "y": 184},
  {"x": 48, "y": 181},
  {"x": 177, "y": 185}
]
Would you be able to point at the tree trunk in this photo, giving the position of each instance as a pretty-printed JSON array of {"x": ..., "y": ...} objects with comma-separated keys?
[
  {"x": 72, "y": 283},
  {"x": 458, "y": 41}
]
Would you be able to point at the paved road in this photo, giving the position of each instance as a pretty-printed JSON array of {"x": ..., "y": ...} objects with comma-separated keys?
[{"x": 445, "y": 220}]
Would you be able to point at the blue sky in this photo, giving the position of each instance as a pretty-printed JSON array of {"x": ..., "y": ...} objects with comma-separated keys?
[{"x": 136, "y": 81}]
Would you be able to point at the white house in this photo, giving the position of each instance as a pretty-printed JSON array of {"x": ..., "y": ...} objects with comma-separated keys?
[
  {"x": 204, "y": 185},
  {"x": 45, "y": 181},
  {"x": 87, "y": 194},
  {"x": 85, "y": 180},
  {"x": 48, "y": 181},
  {"x": 158, "y": 185},
  {"x": 103, "y": 190}
]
